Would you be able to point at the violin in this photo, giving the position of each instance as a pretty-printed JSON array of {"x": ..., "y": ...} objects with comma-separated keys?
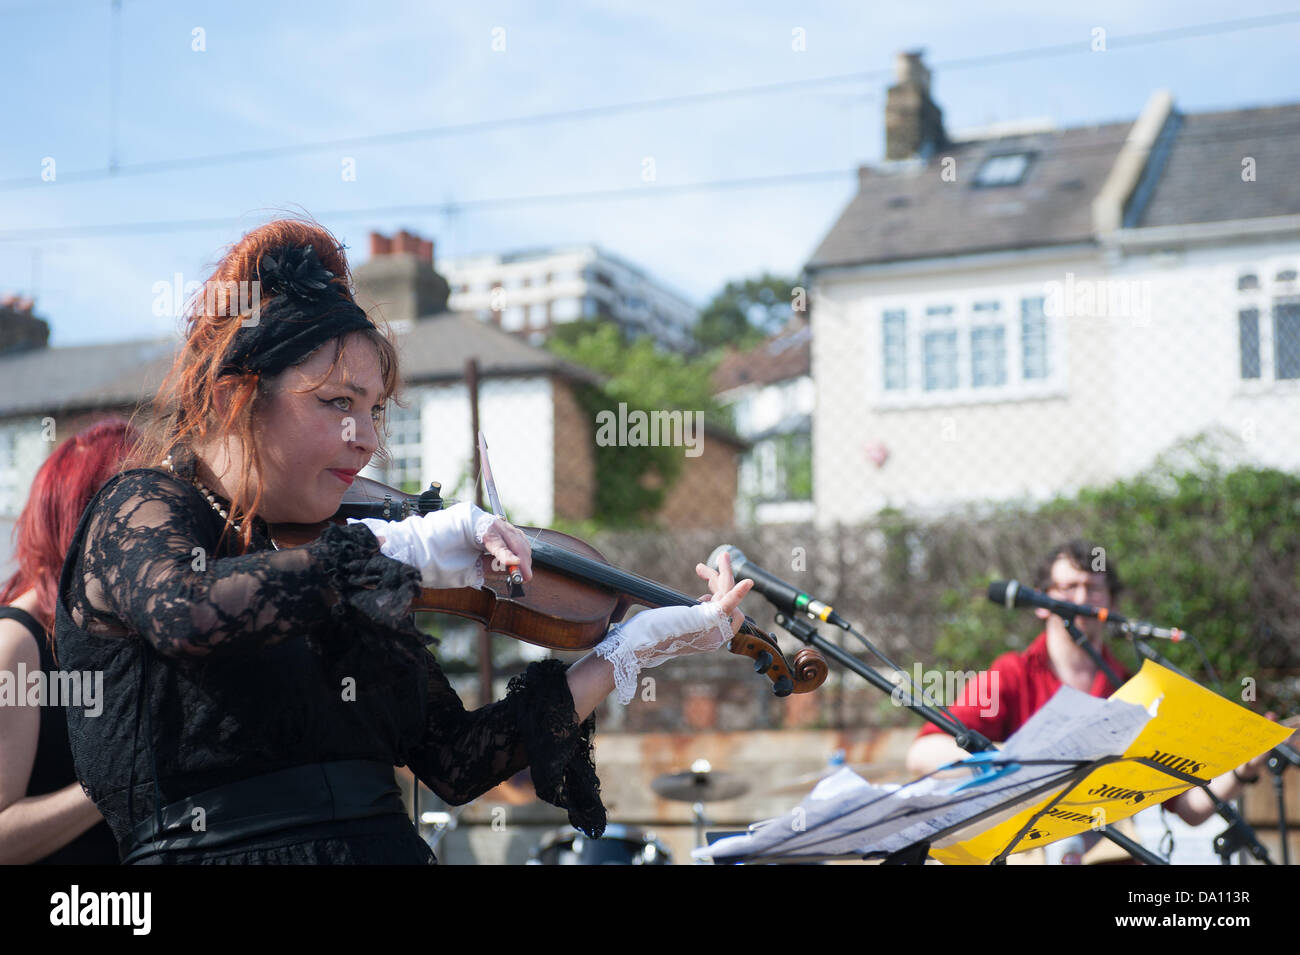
[{"x": 574, "y": 596}]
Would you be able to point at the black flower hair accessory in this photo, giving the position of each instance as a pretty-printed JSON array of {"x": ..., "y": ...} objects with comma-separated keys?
[
  {"x": 293, "y": 270},
  {"x": 305, "y": 310}
]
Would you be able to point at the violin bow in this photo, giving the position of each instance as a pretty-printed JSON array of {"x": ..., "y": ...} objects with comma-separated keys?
[{"x": 513, "y": 576}]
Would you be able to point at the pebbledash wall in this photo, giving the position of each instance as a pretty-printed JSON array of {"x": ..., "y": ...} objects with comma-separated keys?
[
  {"x": 940, "y": 446},
  {"x": 516, "y": 415}
]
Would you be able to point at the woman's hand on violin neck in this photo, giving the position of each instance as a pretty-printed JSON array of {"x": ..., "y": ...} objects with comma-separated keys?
[
  {"x": 653, "y": 637},
  {"x": 724, "y": 591}
]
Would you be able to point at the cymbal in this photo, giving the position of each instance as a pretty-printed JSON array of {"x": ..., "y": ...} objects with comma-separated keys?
[
  {"x": 800, "y": 785},
  {"x": 708, "y": 786}
]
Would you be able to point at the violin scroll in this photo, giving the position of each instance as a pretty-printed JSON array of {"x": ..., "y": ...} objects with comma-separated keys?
[{"x": 809, "y": 672}]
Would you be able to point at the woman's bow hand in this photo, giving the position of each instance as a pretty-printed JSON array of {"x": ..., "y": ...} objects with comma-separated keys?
[{"x": 507, "y": 544}]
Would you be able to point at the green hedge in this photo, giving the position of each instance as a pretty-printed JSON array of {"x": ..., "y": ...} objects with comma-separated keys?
[{"x": 1214, "y": 552}]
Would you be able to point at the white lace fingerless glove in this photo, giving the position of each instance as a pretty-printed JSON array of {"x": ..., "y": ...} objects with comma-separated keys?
[
  {"x": 444, "y": 546},
  {"x": 654, "y": 636}
]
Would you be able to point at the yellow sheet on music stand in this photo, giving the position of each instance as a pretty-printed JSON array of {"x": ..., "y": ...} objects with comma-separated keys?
[{"x": 1195, "y": 731}]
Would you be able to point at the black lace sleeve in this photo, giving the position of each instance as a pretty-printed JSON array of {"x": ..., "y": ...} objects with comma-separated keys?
[
  {"x": 148, "y": 568},
  {"x": 464, "y": 754}
]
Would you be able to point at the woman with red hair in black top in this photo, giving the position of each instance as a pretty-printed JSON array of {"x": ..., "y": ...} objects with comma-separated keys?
[
  {"x": 257, "y": 698},
  {"x": 45, "y": 817}
]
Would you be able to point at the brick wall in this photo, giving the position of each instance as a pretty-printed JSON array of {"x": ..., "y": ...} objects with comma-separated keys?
[
  {"x": 574, "y": 458},
  {"x": 705, "y": 493}
]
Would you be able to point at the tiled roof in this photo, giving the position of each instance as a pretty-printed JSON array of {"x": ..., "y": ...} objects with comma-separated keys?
[
  {"x": 1202, "y": 179},
  {"x": 908, "y": 210},
  {"x": 48, "y": 380},
  {"x": 785, "y": 355}
]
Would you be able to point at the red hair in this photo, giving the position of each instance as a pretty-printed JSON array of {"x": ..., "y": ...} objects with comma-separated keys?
[
  {"x": 184, "y": 412},
  {"x": 62, "y": 488}
]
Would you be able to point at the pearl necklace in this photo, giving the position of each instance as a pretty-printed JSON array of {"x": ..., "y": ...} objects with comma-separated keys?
[{"x": 167, "y": 462}]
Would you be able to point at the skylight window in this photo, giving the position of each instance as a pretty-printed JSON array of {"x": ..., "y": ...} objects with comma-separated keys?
[{"x": 1005, "y": 170}]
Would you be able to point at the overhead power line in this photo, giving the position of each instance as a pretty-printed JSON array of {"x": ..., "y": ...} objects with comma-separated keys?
[
  {"x": 586, "y": 113},
  {"x": 646, "y": 191},
  {"x": 1235, "y": 134}
]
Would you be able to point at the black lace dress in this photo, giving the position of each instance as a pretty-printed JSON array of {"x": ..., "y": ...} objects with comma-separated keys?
[{"x": 219, "y": 667}]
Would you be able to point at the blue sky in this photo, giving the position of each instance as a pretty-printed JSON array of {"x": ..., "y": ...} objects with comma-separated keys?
[{"x": 282, "y": 74}]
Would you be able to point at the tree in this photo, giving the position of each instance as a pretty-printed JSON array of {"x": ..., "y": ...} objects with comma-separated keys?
[
  {"x": 745, "y": 312},
  {"x": 633, "y": 481}
]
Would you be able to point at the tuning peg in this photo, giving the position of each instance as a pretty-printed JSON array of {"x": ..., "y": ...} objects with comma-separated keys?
[{"x": 763, "y": 662}]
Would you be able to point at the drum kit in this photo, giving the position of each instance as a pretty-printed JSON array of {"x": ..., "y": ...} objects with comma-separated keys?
[
  {"x": 628, "y": 845},
  {"x": 699, "y": 785},
  {"x": 620, "y": 845}
]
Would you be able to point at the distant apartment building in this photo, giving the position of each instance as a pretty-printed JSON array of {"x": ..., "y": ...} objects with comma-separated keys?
[{"x": 528, "y": 293}]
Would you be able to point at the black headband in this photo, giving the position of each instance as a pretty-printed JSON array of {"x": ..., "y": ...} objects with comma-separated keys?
[{"x": 306, "y": 310}]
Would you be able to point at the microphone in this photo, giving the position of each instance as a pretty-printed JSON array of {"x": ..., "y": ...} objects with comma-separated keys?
[
  {"x": 1140, "y": 628},
  {"x": 1285, "y": 751},
  {"x": 783, "y": 596},
  {"x": 1012, "y": 594}
]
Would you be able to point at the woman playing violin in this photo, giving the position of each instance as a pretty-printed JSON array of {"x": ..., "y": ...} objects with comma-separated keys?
[{"x": 257, "y": 697}]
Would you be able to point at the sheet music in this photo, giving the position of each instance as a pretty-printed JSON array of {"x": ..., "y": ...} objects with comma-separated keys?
[{"x": 846, "y": 814}]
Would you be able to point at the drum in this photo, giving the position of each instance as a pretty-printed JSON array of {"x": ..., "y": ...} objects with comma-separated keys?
[{"x": 620, "y": 845}]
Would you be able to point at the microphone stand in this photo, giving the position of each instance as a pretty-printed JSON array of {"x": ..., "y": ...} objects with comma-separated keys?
[
  {"x": 1239, "y": 834},
  {"x": 1081, "y": 640},
  {"x": 1276, "y": 767},
  {"x": 968, "y": 739}
]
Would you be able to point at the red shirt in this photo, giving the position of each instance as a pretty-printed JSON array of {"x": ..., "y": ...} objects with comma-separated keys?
[{"x": 1025, "y": 682}]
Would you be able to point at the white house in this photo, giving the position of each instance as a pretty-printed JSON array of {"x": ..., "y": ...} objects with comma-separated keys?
[
  {"x": 770, "y": 391},
  {"x": 1016, "y": 314}
]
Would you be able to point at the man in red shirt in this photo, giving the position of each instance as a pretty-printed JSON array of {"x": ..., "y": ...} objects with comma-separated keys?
[{"x": 1022, "y": 683}]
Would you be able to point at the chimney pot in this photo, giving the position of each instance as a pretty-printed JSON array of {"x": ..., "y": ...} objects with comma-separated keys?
[
  {"x": 909, "y": 68},
  {"x": 913, "y": 123},
  {"x": 400, "y": 277},
  {"x": 404, "y": 242}
]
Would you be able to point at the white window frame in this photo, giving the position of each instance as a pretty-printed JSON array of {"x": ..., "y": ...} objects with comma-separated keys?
[
  {"x": 405, "y": 442},
  {"x": 963, "y": 319},
  {"x": 1263, "y": 298}
]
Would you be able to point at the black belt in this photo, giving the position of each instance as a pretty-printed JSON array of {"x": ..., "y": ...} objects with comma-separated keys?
[{"x": 285, "y": 799}]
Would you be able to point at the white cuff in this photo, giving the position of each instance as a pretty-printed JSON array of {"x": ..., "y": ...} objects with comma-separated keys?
[
  {"x": 445, "y": 546},
  {"x": 653, "y": 637}
]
